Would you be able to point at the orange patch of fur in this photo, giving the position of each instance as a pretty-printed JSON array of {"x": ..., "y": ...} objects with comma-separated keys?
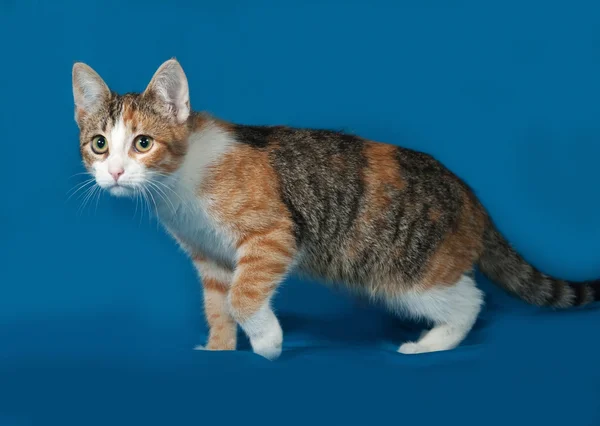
[
  {"x": 170, "y": 141},
  {"x": 129, "y": 115},
  {"x": 245, "y": 197},
  {"x": 382, "y": 178},
  {"x": 223, "y": 329},
  {"x": 460, "y": 249},
  {"x": 434, "y": 215},
  {"x": 212, "y": 284},
  {"x": 382, "y": 168}
]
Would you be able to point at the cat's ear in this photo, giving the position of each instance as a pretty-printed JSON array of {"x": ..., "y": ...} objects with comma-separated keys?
[
  {"x": 89, "y": 90},
  {"x": 169, "y": 89}
]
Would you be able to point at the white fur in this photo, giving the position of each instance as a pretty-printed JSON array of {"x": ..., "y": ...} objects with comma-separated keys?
[
  {"x": 453, "y": 311},
  {"x": 185, "y": 213},
  {"x": 207, "y": 147},
  {"x": 264, "y": 332}
]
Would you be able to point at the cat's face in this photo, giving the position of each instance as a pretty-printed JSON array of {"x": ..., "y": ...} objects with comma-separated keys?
[{"x": 129, "y": 142}]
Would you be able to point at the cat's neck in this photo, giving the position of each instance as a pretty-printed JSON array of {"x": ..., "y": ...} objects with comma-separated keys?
[{"x": 208, "y": 141}]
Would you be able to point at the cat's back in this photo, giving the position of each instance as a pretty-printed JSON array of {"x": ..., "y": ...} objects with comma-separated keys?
[
  {"x": 327, "y": 177},
  {"x": 322, "y": 156}
]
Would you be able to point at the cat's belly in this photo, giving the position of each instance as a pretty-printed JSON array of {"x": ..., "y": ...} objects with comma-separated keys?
[{"x": 199, "y": 234}]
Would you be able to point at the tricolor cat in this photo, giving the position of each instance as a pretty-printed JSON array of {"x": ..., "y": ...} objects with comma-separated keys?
[{"x": 251, "y": 204}]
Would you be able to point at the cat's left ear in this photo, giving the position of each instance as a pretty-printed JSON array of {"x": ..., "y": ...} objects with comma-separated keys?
[{"x": 169, "y": 88}]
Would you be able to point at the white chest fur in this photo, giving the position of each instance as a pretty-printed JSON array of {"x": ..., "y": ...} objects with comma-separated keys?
[
  {"x": 197, "y": 230},
  {"x": 186, "y": 213}
]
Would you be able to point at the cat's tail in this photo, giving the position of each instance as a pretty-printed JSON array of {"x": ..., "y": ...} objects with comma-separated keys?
[{"x": 503, "y": 265}]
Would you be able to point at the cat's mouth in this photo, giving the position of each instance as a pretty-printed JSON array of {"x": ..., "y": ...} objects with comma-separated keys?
[{"x": 120, "y": 191}]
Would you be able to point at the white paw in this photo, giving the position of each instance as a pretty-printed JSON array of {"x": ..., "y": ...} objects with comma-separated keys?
[
  {"x": 268, "y": 344},
  {"x": 269, "y": 352},
  {"x": 199, "y": 348},
  {"x": 264, "y": 332},
  {"x": 412, "y": 348}
]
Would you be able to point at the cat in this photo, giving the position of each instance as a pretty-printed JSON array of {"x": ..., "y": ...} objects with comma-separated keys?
[{"x": 251, "y": 204}]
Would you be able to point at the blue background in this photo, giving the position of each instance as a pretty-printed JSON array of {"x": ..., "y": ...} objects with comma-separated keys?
[{"x": 99, "y": 310}]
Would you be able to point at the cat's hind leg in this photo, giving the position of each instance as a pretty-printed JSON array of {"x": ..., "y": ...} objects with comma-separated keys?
[{"x": 453, "y": 309}]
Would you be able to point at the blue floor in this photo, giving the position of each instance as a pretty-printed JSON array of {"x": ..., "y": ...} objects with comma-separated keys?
[{"x": 520, "y": 366}]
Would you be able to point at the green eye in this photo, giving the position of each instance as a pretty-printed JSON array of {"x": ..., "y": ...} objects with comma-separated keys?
[
  {"x": 143, "y": 143},
  {"x": 99, "y": 144}
]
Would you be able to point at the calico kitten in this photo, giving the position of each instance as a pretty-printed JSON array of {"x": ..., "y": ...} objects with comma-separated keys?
[{"x": 250, "y": 204}]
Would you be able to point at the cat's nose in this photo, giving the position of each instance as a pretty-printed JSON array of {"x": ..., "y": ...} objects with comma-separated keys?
[{"x": 117, "y": 174}]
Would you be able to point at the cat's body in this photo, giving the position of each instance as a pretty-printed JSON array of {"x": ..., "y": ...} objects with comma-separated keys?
[
  {"x": 251, "y": 204},
  {"x": 347, "y": 203}
]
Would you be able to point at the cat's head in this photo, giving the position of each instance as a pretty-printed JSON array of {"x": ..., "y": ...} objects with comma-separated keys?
[{"x": 127, "y": 141}]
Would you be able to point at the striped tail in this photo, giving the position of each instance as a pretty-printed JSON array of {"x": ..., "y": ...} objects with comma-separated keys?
[{"x": 503, "y": 265}]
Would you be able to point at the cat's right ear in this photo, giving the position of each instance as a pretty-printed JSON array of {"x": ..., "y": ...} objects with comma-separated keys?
[{"x": 89, "y": 90}]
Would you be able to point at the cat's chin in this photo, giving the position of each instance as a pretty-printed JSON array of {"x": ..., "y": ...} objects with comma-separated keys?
[{"x": 120, "y": 191}]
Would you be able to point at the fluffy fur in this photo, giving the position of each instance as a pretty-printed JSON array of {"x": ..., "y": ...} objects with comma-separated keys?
[{"x": 250, "y": 204}]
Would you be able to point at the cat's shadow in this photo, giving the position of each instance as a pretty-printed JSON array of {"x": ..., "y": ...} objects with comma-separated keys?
[
  {"x": 364, "y": 325},
  {"x": 365, "y": 330}
]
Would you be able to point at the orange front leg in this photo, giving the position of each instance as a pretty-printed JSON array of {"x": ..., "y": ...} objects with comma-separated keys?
[
  {"x": 263, "y": 260},
  {"x": 216, "y": 281}
]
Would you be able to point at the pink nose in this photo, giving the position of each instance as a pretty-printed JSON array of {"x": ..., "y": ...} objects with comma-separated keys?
[{"x": 117, "y": 174}]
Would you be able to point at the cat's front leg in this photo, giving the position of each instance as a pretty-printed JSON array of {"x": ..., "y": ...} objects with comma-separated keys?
[
  {"x": 263, "y": 260},
  {"x": 216, "y": 281}
]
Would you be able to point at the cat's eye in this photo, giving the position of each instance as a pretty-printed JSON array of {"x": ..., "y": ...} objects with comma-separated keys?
[
  {"x": 99, "y": 144},
  {"x": 143, "y": 143}
]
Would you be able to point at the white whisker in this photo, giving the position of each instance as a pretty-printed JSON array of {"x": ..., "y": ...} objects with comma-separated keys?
[
  {"x": 185, "y": 203},
  {"x": 160, "y": 192},
  {"x": 98, "y": 195},
  {"x": 135, "y": 193},
  {"x": 155, "y": 206},
  {"x": 88, "y": 194},
  {"x": 145, "y": 198},
  {"x": 79, "y": 174},
  {"x": 79, "y": 187}
]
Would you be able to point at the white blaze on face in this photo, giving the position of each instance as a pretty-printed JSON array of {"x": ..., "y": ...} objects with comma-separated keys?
[{"x": 119, "y": 172}]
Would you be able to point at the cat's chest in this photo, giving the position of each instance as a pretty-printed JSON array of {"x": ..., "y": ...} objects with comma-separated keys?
[{"x": 191, "y": 222}]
